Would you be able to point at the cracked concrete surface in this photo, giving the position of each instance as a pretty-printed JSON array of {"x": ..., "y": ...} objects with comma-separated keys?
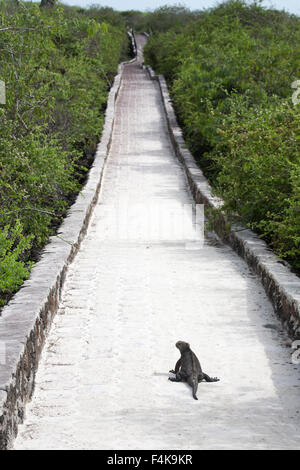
[{"x": 130, "y": 295}]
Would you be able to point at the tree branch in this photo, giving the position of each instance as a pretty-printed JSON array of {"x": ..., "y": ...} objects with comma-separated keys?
[
  {"x": 18, "y": 30},
  {"x": 31, "y": 209}
]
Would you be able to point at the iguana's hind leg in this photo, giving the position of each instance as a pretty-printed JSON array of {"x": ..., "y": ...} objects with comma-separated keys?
[{"x": 207, "y": 378}]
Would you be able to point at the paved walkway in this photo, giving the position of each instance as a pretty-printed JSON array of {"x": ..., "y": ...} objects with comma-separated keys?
[{"x": 137, "y": 286}]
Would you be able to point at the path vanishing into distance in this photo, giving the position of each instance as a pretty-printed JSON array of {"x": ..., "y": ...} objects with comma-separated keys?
[{"x": 138, "y": 284}]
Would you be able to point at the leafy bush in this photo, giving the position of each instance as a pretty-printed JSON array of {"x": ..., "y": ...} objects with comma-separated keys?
[
  {"x": 12, "y": 269},
  {"x": 58, "y": 65},
  {"x": 160, "y": 19},
  {"x": 258, "y": 165}
]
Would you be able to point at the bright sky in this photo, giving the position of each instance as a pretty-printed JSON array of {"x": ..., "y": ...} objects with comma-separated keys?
[{"x": 292, "y": 6}]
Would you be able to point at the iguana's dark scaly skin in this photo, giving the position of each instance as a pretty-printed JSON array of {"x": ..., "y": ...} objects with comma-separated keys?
[{"x": 188, "y": 369}]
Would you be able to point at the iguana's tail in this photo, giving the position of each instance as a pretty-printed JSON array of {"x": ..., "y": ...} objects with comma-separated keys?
[
  {"x": 195, "y": 388},
  {"x": 193, "y": 382}
]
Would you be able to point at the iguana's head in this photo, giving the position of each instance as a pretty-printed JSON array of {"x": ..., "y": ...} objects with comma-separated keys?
[{"x": 182, "y": 346}]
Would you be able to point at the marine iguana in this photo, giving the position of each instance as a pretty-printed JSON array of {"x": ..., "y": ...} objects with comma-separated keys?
[{"x": 188, "y": 369}]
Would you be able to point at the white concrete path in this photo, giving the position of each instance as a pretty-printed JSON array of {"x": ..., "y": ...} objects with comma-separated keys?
[{"x": 103, "y": 379}]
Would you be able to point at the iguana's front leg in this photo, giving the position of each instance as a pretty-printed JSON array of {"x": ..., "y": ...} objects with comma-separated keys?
[
  {"x": 178, "y": 378},
  {"x": 177, "y": 367}
]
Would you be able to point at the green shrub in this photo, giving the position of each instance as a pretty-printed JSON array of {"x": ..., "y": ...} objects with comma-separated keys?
[
  {"x": 13, "y": 270},
  {"x": 161, "y": 19},
  {"x": 258, "y": 165},
  {"x": 58, "y": 65}
]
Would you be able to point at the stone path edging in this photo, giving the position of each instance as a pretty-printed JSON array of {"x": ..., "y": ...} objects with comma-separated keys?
[
  {"x": 133, "y": 42},
  {"x": 280, "y": 283}
]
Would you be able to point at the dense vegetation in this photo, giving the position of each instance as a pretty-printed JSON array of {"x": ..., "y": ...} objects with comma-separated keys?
[
  {"x": 161, "y": 19},
  {"x": 230, "y": 72},
  {"x": 58, "y": 65}
]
